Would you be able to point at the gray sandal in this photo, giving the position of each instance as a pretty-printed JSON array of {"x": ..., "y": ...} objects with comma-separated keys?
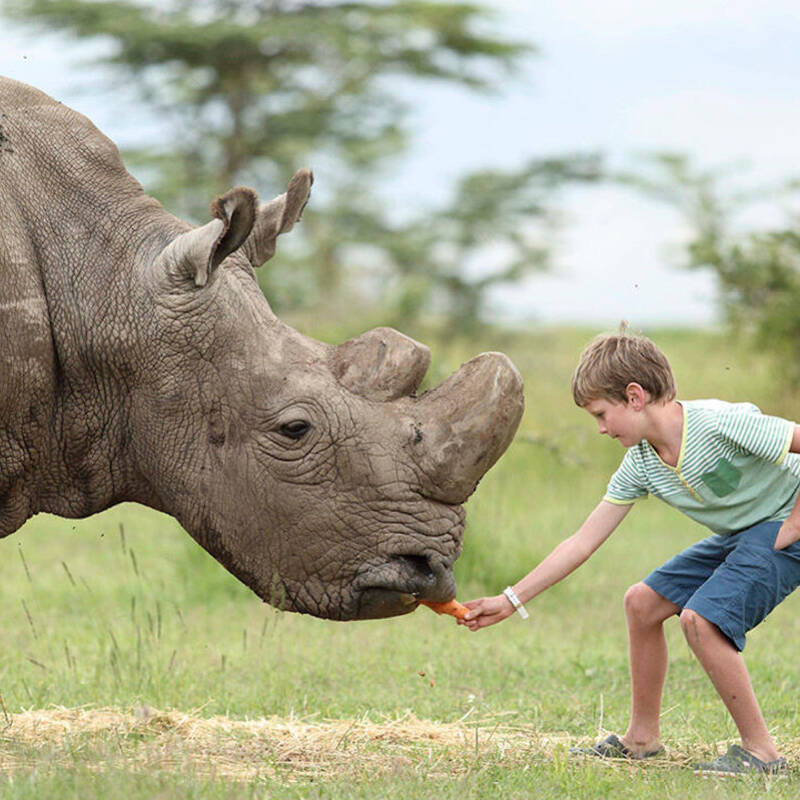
[
  {"x": 738, "y": 761},
  {"x": 612, "y": 747}
]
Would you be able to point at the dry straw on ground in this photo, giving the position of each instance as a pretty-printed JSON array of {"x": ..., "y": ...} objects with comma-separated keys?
[
  {"x": 280, "y": 747},
  {"x": 245, "y": 749}
]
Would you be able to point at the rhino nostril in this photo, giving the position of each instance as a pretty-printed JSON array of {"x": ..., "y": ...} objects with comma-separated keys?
[{"x": 420, "y": 565}]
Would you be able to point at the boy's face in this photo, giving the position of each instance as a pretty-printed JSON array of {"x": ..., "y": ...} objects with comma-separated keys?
[{"x": 621, "y": 421}]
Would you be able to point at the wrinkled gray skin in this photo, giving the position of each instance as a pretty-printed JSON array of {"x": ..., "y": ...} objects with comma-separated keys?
[{"x": 139, "y": 361}]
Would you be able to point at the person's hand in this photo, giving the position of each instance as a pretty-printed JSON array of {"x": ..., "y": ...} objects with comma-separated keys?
[
  {"x": 788, "y": 534},
  {"x": 486, "y": 611}
]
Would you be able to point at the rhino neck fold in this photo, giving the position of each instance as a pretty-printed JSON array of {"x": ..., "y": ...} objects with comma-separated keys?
[{"x": 100, "y": 327}]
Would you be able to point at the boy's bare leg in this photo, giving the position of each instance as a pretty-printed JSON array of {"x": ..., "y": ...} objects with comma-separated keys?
[
  {"x": 646, "y": 611},
  {"x": 726, "y": 668}
]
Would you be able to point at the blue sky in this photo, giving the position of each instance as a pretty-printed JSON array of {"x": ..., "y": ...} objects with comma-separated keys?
[{"x": 717, "y": 80}]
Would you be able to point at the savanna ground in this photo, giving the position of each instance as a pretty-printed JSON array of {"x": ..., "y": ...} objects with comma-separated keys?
[{"x": 133, "y": 666}]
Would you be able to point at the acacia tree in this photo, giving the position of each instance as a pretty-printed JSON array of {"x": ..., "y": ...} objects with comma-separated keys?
[
  {"x": 252, "y": 89},
  {"x": 253, "y": 86}
]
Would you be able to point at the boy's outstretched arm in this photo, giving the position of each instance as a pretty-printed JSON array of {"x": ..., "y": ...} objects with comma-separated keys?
[
  {"x": 789, "y": 532},
  {"x": 564, "y": 559}
]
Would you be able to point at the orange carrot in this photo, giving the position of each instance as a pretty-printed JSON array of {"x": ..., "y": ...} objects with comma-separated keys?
[{"x": 451, "y": 607}]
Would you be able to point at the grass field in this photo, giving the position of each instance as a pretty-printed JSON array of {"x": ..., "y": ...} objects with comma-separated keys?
[{"x": 133, "y": 666}]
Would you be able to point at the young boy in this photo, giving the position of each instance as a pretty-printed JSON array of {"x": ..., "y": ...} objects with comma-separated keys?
[{"x": 725, "y": 465}]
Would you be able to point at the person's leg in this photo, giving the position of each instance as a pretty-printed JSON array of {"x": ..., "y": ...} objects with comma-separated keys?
[
  {"x": 645, "y": 612},
  {"x": 725, "y": 666},
  {"x": 648, "y": 604},
  {"x": 740, "y": 593}
]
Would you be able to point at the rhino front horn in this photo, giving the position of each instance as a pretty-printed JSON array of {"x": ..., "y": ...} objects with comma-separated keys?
[{"x": 465, "y": 424}]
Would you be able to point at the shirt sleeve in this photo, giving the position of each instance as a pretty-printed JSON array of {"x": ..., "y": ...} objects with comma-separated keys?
[
  {"x": 758, "y": 434},
  {"x": 626, "y": 485}
]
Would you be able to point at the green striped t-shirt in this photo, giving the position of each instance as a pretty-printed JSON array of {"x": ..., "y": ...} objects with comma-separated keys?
[{"x": 734, "y": 469}]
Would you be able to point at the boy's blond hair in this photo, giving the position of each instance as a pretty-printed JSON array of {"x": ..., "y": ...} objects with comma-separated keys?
[{"x": 611, "y": 361}]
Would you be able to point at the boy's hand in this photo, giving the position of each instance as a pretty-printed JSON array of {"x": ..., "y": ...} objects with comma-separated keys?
[
  {"x": 788, "y": 534},
  {"x": 487, "y": 611}
]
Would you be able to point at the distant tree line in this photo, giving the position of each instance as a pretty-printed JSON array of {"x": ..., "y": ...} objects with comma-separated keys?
[{"x": 252, "y": 89}]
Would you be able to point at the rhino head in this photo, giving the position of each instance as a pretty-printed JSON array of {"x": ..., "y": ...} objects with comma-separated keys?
[
  {"x": 140, "y": 361},
  {"x": 312, "y": 472}
]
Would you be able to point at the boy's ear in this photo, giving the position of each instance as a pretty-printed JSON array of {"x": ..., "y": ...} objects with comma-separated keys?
[{"x": 636, "y": 396}]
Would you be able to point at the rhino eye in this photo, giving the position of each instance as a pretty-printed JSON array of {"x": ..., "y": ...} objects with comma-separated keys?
[{"x": 296, "y": 429}]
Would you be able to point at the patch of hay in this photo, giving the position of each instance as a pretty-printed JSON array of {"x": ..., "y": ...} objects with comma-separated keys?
[
  {"x": 289, "y": 749},
  {"x": 245, "y": 749}
]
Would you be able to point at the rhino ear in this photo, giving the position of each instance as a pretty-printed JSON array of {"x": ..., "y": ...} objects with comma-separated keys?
[
  {"x": 198, "y": 253},
  {"x": 278, "y": 216}
]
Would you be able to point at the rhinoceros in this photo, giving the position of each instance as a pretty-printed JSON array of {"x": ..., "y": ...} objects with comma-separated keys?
[{"x": 140, "y": 361}]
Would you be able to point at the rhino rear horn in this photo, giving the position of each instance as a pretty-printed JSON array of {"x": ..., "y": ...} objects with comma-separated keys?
[
  {"x": 381, "y": 364},
  {"x": 278, "y": 216},
  {"x": 198, "y": 253}
]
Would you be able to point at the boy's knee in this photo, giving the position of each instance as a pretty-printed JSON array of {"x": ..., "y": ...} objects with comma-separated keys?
[
  {"x": 694, "y": 626},
  {"x": 643, "y": 605}
]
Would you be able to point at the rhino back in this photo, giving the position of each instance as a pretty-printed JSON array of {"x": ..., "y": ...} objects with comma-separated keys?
[{"x": 71, "y": 209}]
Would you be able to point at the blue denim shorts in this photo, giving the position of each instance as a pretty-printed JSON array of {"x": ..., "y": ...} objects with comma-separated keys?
[{"x": 733, "y": 581}]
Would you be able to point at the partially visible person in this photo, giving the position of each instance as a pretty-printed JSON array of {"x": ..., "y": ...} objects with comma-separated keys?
[{"x": 726, "y": 465}]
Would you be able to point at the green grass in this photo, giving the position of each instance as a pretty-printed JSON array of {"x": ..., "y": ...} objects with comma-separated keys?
[{"x": 124, "y": 610}]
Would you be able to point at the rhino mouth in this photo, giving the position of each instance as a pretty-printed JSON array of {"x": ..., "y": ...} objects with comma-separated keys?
[{"x": 397, "y": 586}]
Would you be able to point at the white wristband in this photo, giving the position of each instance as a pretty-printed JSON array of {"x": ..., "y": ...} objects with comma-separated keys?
[{"x": 515, "y": 601}]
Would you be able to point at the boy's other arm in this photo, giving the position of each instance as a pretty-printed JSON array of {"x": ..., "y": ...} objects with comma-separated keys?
[
  {"x": 789, "y": 532},
  {"x": 565, "y": 558}
]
